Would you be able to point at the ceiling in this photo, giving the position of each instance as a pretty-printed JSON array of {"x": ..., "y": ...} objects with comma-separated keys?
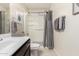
[
  {"x": 31, "y": 6},
  {"x": 37, "y": 5}
]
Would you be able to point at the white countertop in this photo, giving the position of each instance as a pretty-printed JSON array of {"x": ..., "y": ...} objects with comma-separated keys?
[{"x": 10, "y": 45}]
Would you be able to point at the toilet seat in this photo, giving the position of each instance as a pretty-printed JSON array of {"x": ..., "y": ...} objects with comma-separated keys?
[{"x": 35, "y": 45}]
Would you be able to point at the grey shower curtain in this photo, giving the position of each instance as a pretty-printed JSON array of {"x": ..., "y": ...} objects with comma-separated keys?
[{"x": 48, "y": 31}]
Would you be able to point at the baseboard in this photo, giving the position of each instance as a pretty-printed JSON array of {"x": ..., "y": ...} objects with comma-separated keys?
[{"x": 56, "y": 52}]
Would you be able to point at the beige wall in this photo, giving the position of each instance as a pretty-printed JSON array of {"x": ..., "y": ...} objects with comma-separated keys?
[{"x": 67, "y": 42}]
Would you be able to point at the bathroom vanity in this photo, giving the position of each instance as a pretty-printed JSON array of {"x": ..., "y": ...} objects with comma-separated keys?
[
  {"x": 14, "y": 46},
  {"x": 24, "y": 50}
]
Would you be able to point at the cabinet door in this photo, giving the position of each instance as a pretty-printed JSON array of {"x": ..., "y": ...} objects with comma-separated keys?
[
  {"x": 23, "y": 49},
  {"x": 28, "y": 51}
]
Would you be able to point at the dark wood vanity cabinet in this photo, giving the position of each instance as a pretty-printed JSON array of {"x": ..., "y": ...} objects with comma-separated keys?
[{"x": 24, "y": 50}]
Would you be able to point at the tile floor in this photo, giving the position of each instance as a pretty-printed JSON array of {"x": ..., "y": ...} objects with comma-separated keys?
[{"x": 43, "y": 52}]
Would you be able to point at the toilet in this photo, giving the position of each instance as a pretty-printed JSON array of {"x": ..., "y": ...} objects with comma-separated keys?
[
  {"x": 35, "y": 45},
  {"x": 35, "y": 48}
]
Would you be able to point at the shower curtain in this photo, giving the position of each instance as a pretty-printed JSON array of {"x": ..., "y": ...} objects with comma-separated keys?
[{"x": 48, "y": 31}]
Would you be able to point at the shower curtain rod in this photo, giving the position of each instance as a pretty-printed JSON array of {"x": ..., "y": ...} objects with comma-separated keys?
[{"x": 36, "y": 12}]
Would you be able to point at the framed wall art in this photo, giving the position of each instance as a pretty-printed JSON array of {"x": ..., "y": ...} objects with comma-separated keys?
[{"x": 75, "y": 8}]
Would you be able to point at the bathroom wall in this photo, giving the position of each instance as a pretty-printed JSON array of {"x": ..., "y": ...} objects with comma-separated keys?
[
  {"x": 16, "y": 8},
  {"x": 66, "y": 42},
  {"x": 5, "y": 8}
]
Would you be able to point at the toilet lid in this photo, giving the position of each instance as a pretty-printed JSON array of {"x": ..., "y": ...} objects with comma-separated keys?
[{"x": 35, "y": 45}]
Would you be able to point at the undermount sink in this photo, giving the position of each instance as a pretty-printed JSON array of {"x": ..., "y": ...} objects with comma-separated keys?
[
  {"x": 9, "y": 45},
  {"x": 6, "y": 46}
]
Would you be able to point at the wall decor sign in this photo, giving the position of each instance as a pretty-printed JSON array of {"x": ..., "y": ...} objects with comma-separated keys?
[{"x": 75, "y": 7}]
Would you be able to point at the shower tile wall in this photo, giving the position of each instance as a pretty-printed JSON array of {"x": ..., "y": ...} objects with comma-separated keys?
[{"x": 36, "y": 27}]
